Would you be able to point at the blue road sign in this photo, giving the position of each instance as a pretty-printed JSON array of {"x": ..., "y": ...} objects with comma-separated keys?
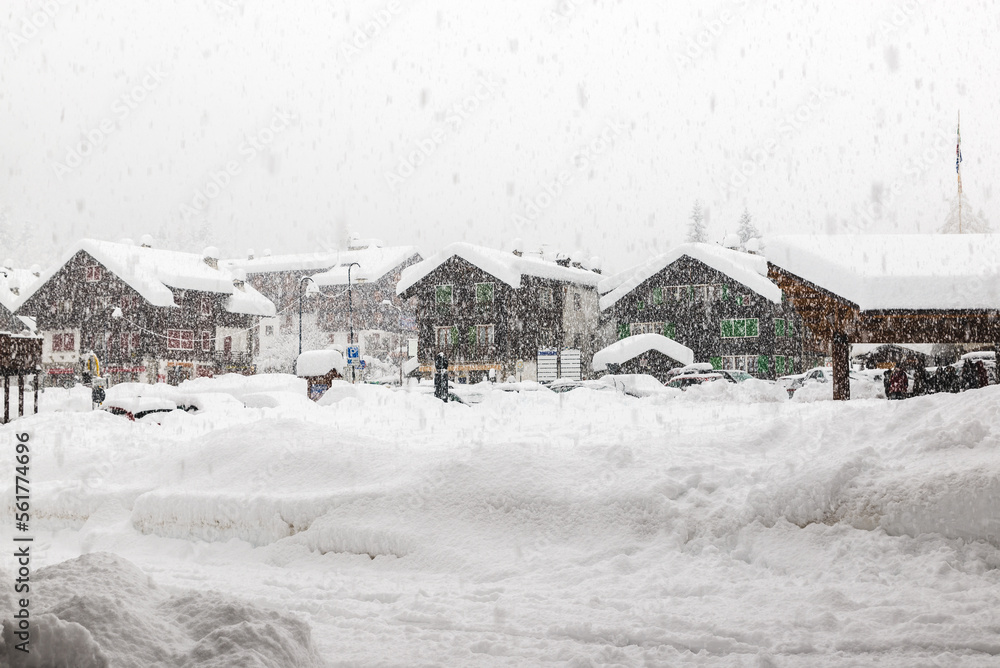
[{"x": 353, "y": 354}]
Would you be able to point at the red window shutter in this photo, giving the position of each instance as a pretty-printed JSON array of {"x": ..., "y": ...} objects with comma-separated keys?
[
  {"x": 57, "y": 343},
  {"x": 187, "y": 339},
  {"x": 134, "y": 340},
  {"x": 69, "y": 341},
  {"x": 206, "y": 341},
  {"x": 173, "y": 339}
]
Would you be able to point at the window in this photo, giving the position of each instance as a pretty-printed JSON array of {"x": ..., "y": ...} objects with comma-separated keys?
[
  {"x": 442, "y": 336},
  {"x": 443, "y": 295},
  {"x": 93, "y": 273},
  {"x": 484, "y": 335},
  {"x": 763, "y": 366},
  {"x": 453, "y": 336},
  {"x": 675, "y": 292},
  {"x": 740, "y": 328},
  {"x": 63, "y": 342},
  {"x": 545, "y": 297},
  {"x": 623, "y": 331},
  {"x": 130, "y": 342},
  {"x": 206, "y": 306},
  {"x": 716, "y": 362},
  {"x": 484, "y": 293},
  {"x": 66, "y": 306},
  {"x": 669, "y": 330},
  {"x": 268, "y": 330},
  {"x": 180, "y": 339},
  {"x": 647, "y": 327},
  {"x": 206, "y": 340},
  {"x": 657, "y": 296},
  {"x": 779, "y": 365},
  {"x": 779, "y": 327},
  {"x": 577, "y": 301}
]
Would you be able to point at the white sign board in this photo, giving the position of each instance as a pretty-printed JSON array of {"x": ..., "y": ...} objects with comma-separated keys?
[{"x": 411, "y": 347}]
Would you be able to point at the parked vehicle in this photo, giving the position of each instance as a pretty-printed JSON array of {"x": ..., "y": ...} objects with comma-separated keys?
[
  {"x": 136, "y": 408},
  {"x": 686, "y": 380}
]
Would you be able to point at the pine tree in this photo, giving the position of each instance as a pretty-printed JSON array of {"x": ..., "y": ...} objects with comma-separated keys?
[
  {"x": 696, "y": 230},
  {"x": 972, "y": 222},
  {"x": 747, "y": 230}
]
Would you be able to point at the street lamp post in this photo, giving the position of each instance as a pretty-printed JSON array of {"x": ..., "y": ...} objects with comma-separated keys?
[
  {"x": 386, "y": 302},
  {"x": 302, "y": 282},
  {"x": 350, "y": 311}
]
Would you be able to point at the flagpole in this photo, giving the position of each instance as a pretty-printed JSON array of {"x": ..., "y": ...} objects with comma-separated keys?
[{"x": 958, "y": 168}]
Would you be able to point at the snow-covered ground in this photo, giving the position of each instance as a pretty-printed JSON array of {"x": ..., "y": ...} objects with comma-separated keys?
[{"x": 720, "y": 526}]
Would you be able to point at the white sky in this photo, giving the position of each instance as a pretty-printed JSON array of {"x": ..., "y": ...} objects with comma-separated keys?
[{"x": 892, "y": 78}]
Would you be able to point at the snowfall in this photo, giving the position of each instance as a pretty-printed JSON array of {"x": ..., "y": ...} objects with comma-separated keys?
[{"x": 722, "y": 526}]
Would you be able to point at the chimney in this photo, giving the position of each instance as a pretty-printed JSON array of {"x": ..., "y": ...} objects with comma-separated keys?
[
  {"x": 249, "y": 253},
  {"x": 518, "y": 247},
  {"x": 240, "y": 279},
  {"x": 14, "y": 285},
  {"x": 211, "y": 257},
  {"x": 35, "y": 270},
  {"x": 595, "y": 264},
  {"x": 146, "y": 241}
]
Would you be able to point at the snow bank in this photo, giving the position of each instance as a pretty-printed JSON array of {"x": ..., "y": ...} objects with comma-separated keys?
[
  {"x": 100, "y": 611},
  {"x": 750, "y": 391}
]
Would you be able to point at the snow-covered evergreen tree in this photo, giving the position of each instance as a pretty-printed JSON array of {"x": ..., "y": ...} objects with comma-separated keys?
[
  {"x": 973, "y": 222},
  {"x": 696, "y": 230},
  {"x": 747, "y": 230}
]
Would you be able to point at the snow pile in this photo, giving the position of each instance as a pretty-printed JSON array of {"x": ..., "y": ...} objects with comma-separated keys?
[
  {"x": 319, "y": 363},
  {"x": 750, "y": 391},
  {"x": 631, "y": 347},
  {"x": 100, "y": 611},
  {"x": 860, "y": 389}
]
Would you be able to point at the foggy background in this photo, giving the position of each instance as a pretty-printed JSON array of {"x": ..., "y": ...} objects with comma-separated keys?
[{"x": 285, "y": 125}]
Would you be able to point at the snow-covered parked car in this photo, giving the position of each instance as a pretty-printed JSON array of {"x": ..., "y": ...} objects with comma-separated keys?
[
  {"x": 136, "y": 408},
  {"x": 686, "y": 380}
]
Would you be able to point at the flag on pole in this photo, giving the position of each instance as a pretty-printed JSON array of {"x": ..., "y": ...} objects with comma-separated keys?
[{"x": 958, "y": 148}]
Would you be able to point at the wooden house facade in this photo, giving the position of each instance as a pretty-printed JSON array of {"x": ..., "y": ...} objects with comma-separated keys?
[
  {"x": 716, "y": 301},
  {"x": 20, "y": 365},
  {"x": 497, "y": 315},
  {"x": 148, "y": 314}
]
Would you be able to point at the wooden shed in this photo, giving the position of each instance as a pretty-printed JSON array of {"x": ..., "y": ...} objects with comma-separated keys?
[{"x": 20, "y": 362}]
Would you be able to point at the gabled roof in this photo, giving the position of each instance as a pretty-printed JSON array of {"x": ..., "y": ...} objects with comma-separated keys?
[
  {"x": 896, "y": 271},
  {"x": 11, "y": 324},
  {"x": 152, "y": 272},
  {"x": 744, "y": 268},
  {"x": 15, "y": 278},
  {"x": 503, "y": 265},
  {"x": 631, "y": 347}
]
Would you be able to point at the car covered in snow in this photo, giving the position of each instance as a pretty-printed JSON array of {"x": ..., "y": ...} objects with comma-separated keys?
[
  {"x": 686, "y": 380},
  {"x": 137, "y": 408}
]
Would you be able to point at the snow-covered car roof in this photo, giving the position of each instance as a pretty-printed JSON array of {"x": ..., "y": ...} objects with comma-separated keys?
[
  {"x": 503, "y": 265},
  {"x": 744, "y": 268},
  {"x": 896, "y": 271},
  {"x": 153, "y": 271}
]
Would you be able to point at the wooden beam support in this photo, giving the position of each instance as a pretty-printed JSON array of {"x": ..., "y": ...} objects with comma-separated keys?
[{"x": 841, "y": 367}]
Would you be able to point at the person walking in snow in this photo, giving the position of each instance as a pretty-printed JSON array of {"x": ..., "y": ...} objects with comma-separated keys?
[
  {"x": 919, "y": 380},
  {"x": 898, "y": 383},
  {"x": 969, "y": 380},
  {"x": 982, "y": 375},
  {"x": 441, "y": 377},
  {"x": 954, "y": 384}
]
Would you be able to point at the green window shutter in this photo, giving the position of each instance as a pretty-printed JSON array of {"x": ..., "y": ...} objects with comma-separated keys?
[
  {"x": 752, "y": 327},
  {"x": 739, "y": 328},
  {"x": 453, "y": 336},
  {"x": 763, "y": 366},
  {"x": 484, "y": 293},
  {"x": 442, "y": 294},
  {"x": 623, "y": 331},
  {"x": 725, "y": 292},
  {"x": 640, "y": 305},
  {"x": 690, "y": 292},
  {"x": 716, "y": 362},
  {"x": 472, "y": 336},
  {"x": 788, "y": 329},
  {"x": 657, "y": 295},
  {"x": 779, "y": 365},
  {"x": 728, "y": 329},
  {"x": 670, "y": 331},
  {"x": 779, "y": 327}
]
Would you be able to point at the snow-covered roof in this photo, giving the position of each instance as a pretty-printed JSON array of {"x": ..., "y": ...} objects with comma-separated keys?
[
  {"x": 744, "y": 268},
  {"x": 374, "y": 263},
  {"x": 631, "y": 347},
  {"x": 11, "y": 324},
  {"x": 21, "y": 279},
  {"x": 273, "y": 263},
  {"x": 410, "y": 365},
  {"x": 149, "y": 271},
  {"x": 319, "y": 363},
  {"x": 896, "y": 271},
  {"x": 858, "y": 349},
  {"x": 503, "y": 265}
]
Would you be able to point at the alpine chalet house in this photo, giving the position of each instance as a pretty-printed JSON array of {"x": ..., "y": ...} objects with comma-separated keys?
[
  {"x": 148, "y": 314},
  {"x": 381, "y": 330},
  {"x": 503, "y": 314},
  {"x": 716, "y": 301}
]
